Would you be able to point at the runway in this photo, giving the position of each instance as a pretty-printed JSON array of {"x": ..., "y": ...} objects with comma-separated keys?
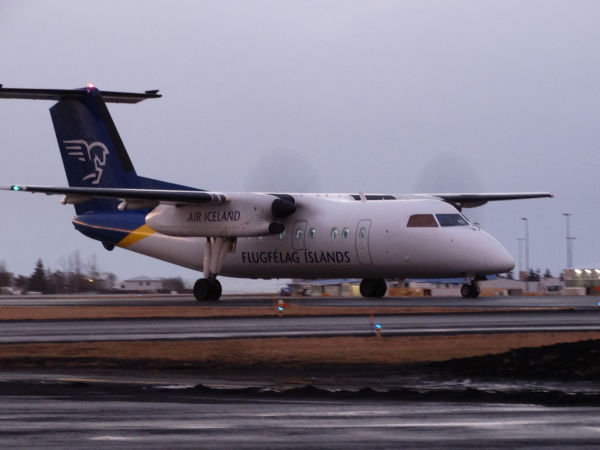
[
  {"x": 227, "y": 301},
  {"x": 273, "y": 326}
]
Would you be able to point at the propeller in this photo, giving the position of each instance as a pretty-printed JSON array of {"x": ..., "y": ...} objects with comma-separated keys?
[{"x": 447, "y": 172}]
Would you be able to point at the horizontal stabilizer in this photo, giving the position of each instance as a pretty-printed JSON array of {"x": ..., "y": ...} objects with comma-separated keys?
[{"x": 59, "y": 94}]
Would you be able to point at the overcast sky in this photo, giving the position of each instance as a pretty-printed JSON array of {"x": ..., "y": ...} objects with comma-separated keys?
[{"x": 334, "y": 96}]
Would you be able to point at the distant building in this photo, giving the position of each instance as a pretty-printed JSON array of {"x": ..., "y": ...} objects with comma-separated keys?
[
  {"x": 429, "y": 287},
  {"x": 503, "y": 286},
  {"x": 142, "y": 284},
  {"x": 7, "y": 290},
  {"x": 323, "y": 288},
  {"x": 582, "y": 281}
]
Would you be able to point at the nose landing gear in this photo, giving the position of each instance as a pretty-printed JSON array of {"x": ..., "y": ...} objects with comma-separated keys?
[{"x": 471, "y": 290}]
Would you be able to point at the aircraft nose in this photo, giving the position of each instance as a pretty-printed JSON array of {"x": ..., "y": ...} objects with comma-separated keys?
[
  {"x": 503, "y": 260},
  {"x": 499, "y": 260}
]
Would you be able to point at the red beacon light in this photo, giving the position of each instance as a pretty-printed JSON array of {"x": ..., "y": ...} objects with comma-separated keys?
[{"x": 90, "y": 86}]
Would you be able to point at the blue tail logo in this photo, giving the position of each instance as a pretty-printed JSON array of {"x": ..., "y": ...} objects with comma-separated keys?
[{"x": 93, "y": 154}]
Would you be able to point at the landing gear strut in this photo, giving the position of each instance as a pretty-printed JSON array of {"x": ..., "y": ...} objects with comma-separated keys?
[
  {"x": 215, "y": 250},
  {"x": 470, "y": 290},
  {"x": 373, "y": 287}
]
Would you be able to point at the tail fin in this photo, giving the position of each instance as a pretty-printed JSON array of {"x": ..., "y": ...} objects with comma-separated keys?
[{"x": 92, "y": 150}]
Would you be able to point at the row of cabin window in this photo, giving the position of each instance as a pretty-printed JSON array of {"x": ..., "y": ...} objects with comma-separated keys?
[
  {"x": 312, "y": 232},
  {"x": 416, "y": 220}
]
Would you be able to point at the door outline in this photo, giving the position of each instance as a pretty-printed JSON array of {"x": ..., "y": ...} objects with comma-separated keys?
[
  {"x": 362, "y": 241},
  {"x": 298, "y": 243}
]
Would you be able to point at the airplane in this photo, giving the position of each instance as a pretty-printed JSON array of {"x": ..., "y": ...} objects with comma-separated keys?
[{"x": 372, "y": 237}]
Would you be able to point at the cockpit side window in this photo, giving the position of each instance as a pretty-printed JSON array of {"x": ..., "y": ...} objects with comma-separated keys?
[
  {"x": 422, "y": 220},
  {"x": 451, "y": 220}
]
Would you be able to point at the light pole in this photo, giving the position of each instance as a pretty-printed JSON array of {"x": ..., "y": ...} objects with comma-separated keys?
[
  {"x": 524, "y": 219},
  {"x": 520, "y": 257},
  {"x": 569, "y": 241}
]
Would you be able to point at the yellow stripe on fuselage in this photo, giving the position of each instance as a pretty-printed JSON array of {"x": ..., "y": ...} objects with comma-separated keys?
[{"x": 136, "y": 235}]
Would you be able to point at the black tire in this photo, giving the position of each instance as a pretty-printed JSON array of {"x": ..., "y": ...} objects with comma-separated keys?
[
  {"x": 216, "y": 289},
  {"x": 373, "y": 287},
  {"x": 202, "y": 289},
  {"x": 206, "y": 289},
  {"x": 465, "y": 290},
  {"x": 475, "y": 290},
  {"x": 381, "y": 288}
]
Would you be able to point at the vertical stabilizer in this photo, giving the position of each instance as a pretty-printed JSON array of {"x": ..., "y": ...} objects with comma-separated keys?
[{"x": 92, "y": 150}]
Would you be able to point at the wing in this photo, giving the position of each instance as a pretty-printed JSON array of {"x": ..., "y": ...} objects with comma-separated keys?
[
  {"x": 131, "y": 198},
  {"x": 152, "y": 197},
  {"x": 280, "y": 205},
  {"x": 460, "y": 200}
]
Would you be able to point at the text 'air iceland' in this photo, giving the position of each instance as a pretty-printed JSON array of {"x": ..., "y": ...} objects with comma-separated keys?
[{"x": 214, "y": 216}]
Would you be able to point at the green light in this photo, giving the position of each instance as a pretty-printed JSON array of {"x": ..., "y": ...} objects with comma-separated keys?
[{"x": 16, "y": 188}]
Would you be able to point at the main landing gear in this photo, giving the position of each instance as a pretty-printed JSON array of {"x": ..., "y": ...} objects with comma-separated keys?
[
  {"x": 215, "y": 250},
  {"x": 470, "y": 290},
  {"x": 373, "y": 287},
  {"x": 207, "y": 289}
]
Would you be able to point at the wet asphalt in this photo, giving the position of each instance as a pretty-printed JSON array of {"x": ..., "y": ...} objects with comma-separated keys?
[{"x": 82, "y": 415}]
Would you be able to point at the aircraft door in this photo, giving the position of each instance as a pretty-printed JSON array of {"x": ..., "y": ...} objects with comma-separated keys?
[
  {"x": 362, "y": 241},
  {"x": 298, "y": 235}
]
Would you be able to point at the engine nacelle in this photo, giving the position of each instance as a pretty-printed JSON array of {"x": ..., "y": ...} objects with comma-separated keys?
[{"x": 244, "y": 214}]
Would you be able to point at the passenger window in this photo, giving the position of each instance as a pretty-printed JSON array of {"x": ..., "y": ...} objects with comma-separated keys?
[
  {"x": 299, "y": 233},
  {"x": 345, "y": 233},
  {"x": 312, "y": 233},
  {"x": 451, "y": 220},
  {"x": 334, "y": 233},
  {"x": 362, "y": 232},
  {"x": 282, "y": 235},
  {"x": 421, "y": 220}
]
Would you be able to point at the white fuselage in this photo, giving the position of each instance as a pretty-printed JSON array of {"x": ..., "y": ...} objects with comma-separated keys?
[{"x": 336, "y": 236}]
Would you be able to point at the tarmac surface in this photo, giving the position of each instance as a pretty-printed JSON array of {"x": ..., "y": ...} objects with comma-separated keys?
[
  {"x": 125, "y": 408},
  {"x": 273, "y": 326},
  {"x": 583, "y": 302}
]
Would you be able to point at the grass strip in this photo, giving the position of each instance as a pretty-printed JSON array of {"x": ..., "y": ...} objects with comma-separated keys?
[{"x": 278, "y": 352}]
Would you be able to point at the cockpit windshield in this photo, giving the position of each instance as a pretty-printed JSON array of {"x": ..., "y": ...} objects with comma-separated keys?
[
  {"x": 421, "y": 221},
  {"x": 451, "y": 220}
]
